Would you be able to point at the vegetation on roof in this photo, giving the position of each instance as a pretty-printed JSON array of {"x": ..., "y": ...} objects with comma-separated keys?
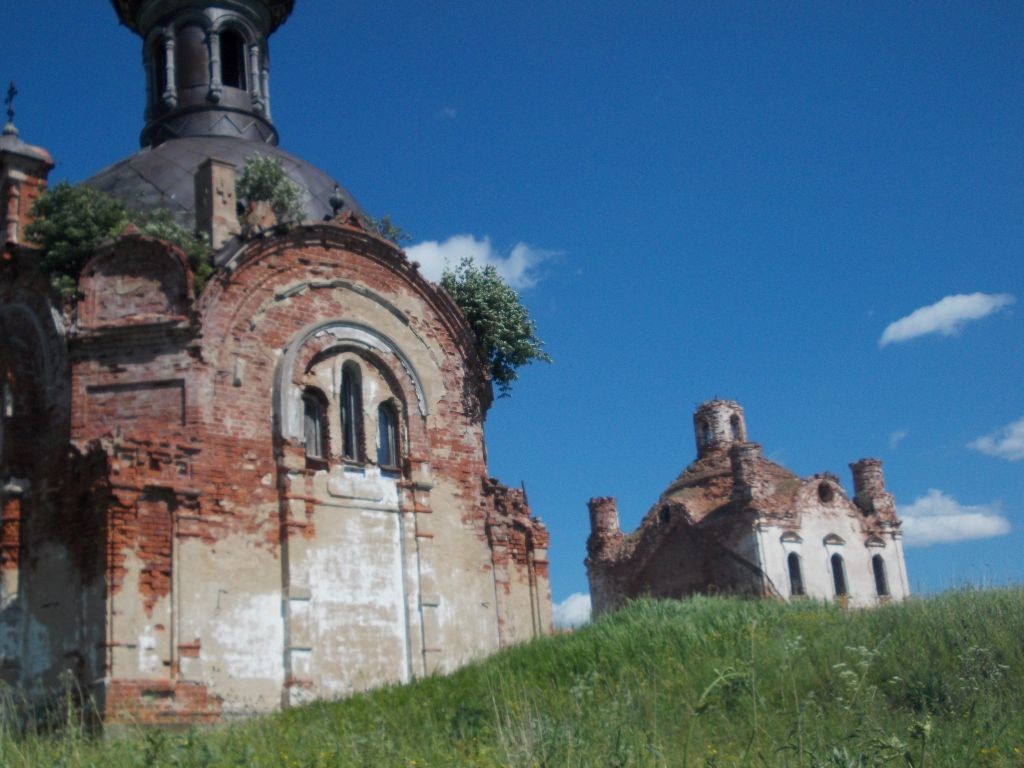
[
  {"x": 72, "y": 220},
  {"x": 263, "y": 179}
]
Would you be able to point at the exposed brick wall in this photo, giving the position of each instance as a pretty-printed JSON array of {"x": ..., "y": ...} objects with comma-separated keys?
[
  {"x": 165, "y": 434},
  {"x": 703, "y": 533},
  {"x": 149, "y": 702}
]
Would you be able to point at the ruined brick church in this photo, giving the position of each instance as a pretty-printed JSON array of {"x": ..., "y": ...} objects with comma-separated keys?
[
  {"x": 272, "y": 491},
  {"x": 735, "y": 522}
]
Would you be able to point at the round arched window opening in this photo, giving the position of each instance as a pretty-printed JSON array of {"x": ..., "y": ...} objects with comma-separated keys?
[
  {"x": 232, "y": 59},
  {"x": 665, "y": 514},
  {"x": 825, "y": 493}
]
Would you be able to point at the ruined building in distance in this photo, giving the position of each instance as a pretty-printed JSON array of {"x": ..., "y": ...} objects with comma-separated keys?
[
  {"x": 274, "y": 490},
  {"x": 735, "y": 522}
]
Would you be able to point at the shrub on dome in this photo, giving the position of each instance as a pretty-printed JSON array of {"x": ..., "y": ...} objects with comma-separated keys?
[{"x": 263, "y": 180}]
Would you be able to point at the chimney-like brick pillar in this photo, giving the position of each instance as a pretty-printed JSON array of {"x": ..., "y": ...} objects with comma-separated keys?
[
  {"x": 744, "y": 458},
  {"x": 869, "y": 488},
  {"x": 605, "y": 533},
  {"x": 216, "y": 204}
]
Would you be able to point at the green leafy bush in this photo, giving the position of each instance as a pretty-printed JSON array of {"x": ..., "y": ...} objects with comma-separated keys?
[
  {"x": 263, "y": 179},
  {"x": 505, "y": 334},
  {"x": 387, "y": 229},
  {"x": 71, "y": 221}
]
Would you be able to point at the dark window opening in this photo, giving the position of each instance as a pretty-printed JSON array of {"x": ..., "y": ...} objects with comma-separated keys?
[
  {"x": 665, "y": 514},
  {"x": 387, "y": 435},
  {"x": 796, "y": 577},
  {"x": 881, "y": 582},
  {"x": 314, "y": 407},
  {"x": 159, "y": 63},
  {"x": 705, "y": 434},
  {"x": 351, "y": 412},
  {"x": 232, "y": 59},
  {"x": 839, "y": 575},
  {"x": 734, "y": 426},
  {"x": 825, "y": 493}
]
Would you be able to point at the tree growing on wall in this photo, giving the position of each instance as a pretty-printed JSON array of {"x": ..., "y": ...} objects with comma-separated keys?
[
  {"x": 263, "y": 180},
  {"x": 72, "y": 220},
  {"x": 506, "y": 335}
]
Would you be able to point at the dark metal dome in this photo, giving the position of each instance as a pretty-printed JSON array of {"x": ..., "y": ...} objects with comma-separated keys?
[
  {"x": 128, "y": 12},
  {"x": 164, "y": 176}
]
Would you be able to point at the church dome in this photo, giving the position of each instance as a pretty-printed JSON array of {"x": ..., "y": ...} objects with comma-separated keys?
[
  {"x": 164, "y": 176},
  {"x": 207, "y": 70}
]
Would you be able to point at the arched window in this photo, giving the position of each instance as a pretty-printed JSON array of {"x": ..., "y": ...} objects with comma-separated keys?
[
  {"x": 881, "y": 582},
  {"x": 387, "y": 436},
  {"x": 351, "y": 412},
  {"x": 314, "y": 409},
  {"x": 734, "y": 426},
  {"x": 158, "y": 58},
  {"x": 839, "y": 575},
  {"x": 705, "y": 434},
  {"x": 796, "y": 576},
  {"x": 232, "y": 59}
]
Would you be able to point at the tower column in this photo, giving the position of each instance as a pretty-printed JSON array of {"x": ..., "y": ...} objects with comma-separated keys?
[
  {"x": 170, "y": 94},
  {"x": 254, "y": 68},
  {"x": 213, "y": 44}
]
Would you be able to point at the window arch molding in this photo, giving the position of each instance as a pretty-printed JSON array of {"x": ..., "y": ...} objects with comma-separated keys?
[{"x": 329, "y": 337}]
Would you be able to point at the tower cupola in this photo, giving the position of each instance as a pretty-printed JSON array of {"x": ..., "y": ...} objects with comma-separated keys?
[
  {"x": 718, "y": 424},
  {"x": 207, "y": 66}
]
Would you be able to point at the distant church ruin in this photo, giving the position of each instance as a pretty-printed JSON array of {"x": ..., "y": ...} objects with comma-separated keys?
[
  {"x": 272, "y": 492},
  {"x": 735, "y": 522}
]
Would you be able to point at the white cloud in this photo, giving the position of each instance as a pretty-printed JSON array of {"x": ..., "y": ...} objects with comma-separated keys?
[
  {"x": 936, "y": 518},
  {"x": 896, "y": 437},
  {"x": 1006, "y": 443},
  {"x": 573, "y": 611},
  {"x": 946, "y": 316},
  {"x": 446, "y": 113},
  {"x": 517, "y": 267}
]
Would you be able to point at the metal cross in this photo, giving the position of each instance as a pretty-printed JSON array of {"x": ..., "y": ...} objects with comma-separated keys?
[{"x": 9, "y": 101}]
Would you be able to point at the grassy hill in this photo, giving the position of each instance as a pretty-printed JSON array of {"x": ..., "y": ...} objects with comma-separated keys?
[{"x": 707, "y": 682}]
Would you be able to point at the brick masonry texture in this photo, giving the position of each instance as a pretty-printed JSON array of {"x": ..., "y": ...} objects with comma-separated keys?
[
  {"x": 735, "y": 522},
  {"x": 164, "y": 535}
]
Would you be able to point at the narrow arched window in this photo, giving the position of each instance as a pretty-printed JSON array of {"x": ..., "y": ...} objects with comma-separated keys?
[
  {"x": 705, "y": 434},
  {"x": 314, "y": 410},
  {"x": 734, "y": 426},
  {"x": 881, "y": 582},
  {"x": 839, "y": 575},
  {"x": 387, "y": 436},
  {"x": 796, "y": 576},
  {"x": 232, "y": 59},
  {"x": 158, "y": 60},
  {"x": 351, "y": 412}
]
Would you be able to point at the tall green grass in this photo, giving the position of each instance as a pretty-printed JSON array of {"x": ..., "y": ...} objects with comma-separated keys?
[{"x": 706, "y": 682}]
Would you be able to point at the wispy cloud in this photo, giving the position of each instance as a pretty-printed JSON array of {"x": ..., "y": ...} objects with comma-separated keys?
[
  {"x": 946, "y": 316},
  {"x": 446, "y": 113},
  {"x": 937, "y": 518},
  {"x": 518, "y": 266},
  {"x": 1006, "y": 443},
  {"x": 573, "y": 611},
  {"x": 896, "y": 437}
]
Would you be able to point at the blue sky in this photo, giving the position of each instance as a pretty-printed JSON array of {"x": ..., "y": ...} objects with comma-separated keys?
[{"x": 698, "y": 200}]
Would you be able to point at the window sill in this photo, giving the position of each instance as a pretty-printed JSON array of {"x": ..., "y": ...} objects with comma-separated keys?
[{"x": 317, "y": 463}]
